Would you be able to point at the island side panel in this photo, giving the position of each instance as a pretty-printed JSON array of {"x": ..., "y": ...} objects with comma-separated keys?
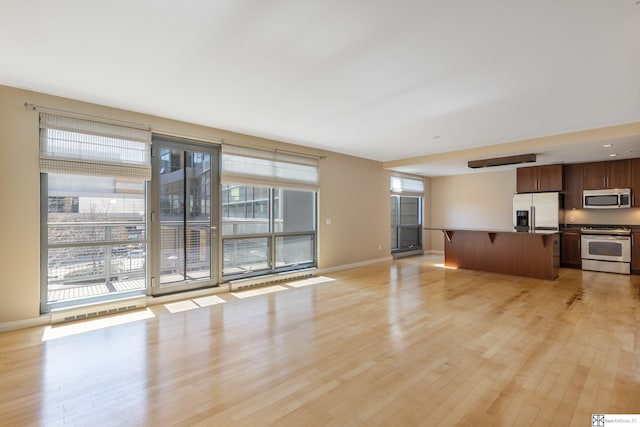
[{"x": 520, "y": 254}]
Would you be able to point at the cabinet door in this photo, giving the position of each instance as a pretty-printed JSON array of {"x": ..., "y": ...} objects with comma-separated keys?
[
  {"x": 571, "y": 248},
  {"x": 635, "y": 250},
  {"x": 613, "y": 174},
  {"x": 573, "y": 186},
  {"x": 526, "y": 180},
  {"x": 550, "y": 178},
  {"x": 635, "y": 183},
  {"x": 594, "y": 175},
  {"x": 539, "y": 178},
  {"x": 619, "y": 174}
]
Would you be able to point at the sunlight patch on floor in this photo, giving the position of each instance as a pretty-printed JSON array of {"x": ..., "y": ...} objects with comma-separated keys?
[
  {"x": 445, "y": 266},
  {"x": 208, "y": 301},
  {"x": 79, "y": 327},
  {"x": 180, "y": 306},
  {"x": 310, "y": 281},
  {"x": 260, "y": 291}
]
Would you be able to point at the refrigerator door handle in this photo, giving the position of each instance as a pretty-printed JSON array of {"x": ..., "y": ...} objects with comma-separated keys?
[{"x": 533, "y": 218}]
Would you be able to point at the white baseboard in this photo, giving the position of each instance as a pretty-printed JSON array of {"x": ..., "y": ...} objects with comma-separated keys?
[
  {"x": 43, "y": 320},
  {"x": 179, "y": 296},
  {"x": 404, "y": 254},
  {"x": 88, "y": 311},
  {"x": 47, "y": 318},
  {"x": 269, "y": 279},
  {"x": 354, "y": 265},
  {"x": 433, "y": 252}
]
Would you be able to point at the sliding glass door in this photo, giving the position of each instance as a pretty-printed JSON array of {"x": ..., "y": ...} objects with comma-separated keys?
[{"x": 184, "y": 215}]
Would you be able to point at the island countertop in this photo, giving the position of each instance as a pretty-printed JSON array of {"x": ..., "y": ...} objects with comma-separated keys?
[
  {"x": 489, "y": 230},
  {"x": 529, "y": 254}
]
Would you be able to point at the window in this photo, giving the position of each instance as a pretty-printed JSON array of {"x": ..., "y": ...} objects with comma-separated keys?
[
  {"x": 268, "y": 212},
  {"x": 266, "y": 229},
  {"x": 93, "y": 201},
  {"x": 406, "y": 214}
]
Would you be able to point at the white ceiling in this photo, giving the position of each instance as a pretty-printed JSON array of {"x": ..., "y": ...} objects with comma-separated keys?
[{"x": 374, "y": 79}]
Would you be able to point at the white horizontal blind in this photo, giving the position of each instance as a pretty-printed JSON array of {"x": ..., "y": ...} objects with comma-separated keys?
[
  {"x": 75, "y": 146},
  {"x": 251, "y": 166},
  {"x": 407, "y": 186}
]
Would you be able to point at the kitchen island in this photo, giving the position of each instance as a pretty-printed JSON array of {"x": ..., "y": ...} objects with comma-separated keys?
[{"x": 529, "y": 254}]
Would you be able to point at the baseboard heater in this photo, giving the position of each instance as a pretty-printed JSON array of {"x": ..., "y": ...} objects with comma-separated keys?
[
  {"x": 69, "y": 314},
  {"x": 403, "y": 254},
  {"x": 270, "y": 279}
]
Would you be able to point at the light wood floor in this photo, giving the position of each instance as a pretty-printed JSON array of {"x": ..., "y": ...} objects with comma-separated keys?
[{"x": 399, "y": 344}]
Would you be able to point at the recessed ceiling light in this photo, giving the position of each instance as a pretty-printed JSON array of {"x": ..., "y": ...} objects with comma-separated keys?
[
  {"x": 607, "y": 145},
  {"x": 612, "y": 155}
]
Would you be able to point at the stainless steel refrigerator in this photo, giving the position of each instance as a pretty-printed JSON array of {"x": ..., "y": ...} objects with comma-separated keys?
[{"x": 536, "y": 211}]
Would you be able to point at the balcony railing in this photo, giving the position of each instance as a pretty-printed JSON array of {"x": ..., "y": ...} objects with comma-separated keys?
[{"x": 93, "y": 258}]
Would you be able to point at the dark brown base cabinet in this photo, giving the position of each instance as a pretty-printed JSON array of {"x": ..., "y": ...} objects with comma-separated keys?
[
  {"x": 635, "y": 252},
  {"x": 571, "y": 256}
]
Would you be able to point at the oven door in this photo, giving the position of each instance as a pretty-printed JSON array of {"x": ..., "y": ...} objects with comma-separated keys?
[{"x": 606, "y": 248}]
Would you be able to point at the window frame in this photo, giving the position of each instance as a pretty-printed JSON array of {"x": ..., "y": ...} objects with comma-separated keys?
[
  {"x": 406, "y": 186},
  {"x": 271, "y": 235},
  {"x": 47, "y": 306},
  {"x": 89, "y": 148}
]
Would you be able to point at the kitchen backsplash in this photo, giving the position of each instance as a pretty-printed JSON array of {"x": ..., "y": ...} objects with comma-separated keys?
[{"x": 602, "y": 216}]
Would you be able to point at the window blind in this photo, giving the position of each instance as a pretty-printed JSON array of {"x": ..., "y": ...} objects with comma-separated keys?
[
  {"x": 407, "y": 186},
  {"x": 75, "y": 146},
  {"x": 251, "y": 166}
]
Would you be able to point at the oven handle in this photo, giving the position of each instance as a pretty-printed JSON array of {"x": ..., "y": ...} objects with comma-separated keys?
[{"x": 601, "y": 237}]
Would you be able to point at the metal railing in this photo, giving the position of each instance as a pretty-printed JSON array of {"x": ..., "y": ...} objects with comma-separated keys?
[{"x": 89, "y": 252}]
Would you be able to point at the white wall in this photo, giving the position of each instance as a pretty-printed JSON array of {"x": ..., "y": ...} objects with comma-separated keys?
[{"x": 480, "y": 200}]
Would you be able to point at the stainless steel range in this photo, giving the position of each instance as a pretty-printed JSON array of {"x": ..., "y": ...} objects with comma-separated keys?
[{"x": 606, "y": 248}]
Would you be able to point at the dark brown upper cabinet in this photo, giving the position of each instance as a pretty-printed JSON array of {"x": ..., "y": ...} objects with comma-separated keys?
[
  {"x": 535, "y": 179},
  {"x": 573, "y": 186},
  {"x": 602, "y": 175}
]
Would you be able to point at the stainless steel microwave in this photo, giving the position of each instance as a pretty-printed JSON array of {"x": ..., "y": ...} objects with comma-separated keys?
[{"x": 607, "y": 199}]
